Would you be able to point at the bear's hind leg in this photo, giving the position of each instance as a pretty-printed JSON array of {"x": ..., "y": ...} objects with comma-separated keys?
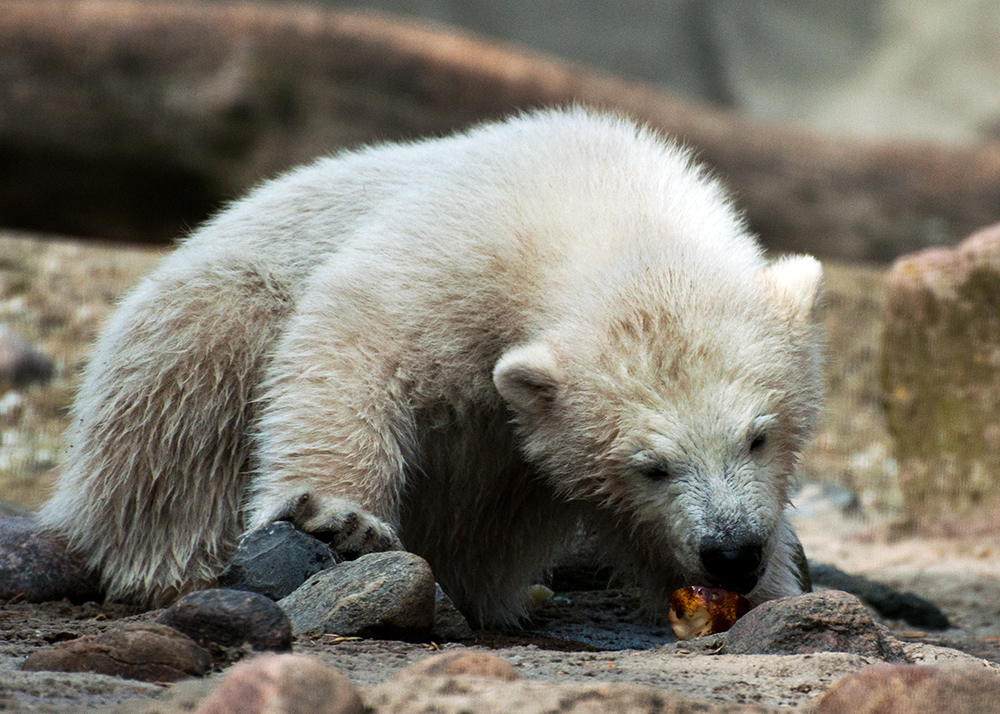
[{"x": 152, "y": 485}]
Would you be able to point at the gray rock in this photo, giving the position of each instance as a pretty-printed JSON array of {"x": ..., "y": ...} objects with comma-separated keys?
[
  {"x": 387, "y": 595},
  {"x": 20, "y": 363},
  {"x": 450, "y": 625},
  {"x": 275, "y": 560},
  {"x": 37, "y": 566},
  {"x": 228, "y": 618},
  {"x": 825, "y": 621}
]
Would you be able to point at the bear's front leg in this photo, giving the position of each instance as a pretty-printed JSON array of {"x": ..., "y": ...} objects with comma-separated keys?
[{"x": 335, "y": 425}]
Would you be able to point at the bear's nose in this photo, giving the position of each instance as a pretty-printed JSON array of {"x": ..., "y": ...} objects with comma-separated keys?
[{"x": 732, "y": 566}]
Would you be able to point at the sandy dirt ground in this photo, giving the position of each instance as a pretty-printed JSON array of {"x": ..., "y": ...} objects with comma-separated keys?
[{"x": 56, "y": 292}]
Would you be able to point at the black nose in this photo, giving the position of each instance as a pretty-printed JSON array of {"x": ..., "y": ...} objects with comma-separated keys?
[{"x": 732, "y": 566}]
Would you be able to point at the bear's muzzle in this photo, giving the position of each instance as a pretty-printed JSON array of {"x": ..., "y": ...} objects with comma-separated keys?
[{"x": 732, "y": 563}]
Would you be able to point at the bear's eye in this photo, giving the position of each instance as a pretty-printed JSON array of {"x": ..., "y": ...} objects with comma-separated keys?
[
  {"x": 657, "y": 472},
  {"x": 758, "y": 443}
]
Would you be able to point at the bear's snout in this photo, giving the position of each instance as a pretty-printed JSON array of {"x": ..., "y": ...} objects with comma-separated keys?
[{"x": 731, "y": 563}]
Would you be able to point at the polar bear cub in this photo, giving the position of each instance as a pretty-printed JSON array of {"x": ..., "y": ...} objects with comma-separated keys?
[{"x": 465, "y": 347}]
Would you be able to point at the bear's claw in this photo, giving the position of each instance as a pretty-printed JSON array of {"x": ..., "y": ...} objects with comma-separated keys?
[{"x": 348, "y": 528}]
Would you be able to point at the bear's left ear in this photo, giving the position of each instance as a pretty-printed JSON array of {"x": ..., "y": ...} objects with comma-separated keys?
[
  {"x": 528, "y": 378},
  {"x": 795, "y": 284}
]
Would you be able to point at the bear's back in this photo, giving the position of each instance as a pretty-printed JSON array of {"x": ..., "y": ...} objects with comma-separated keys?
[{"x": 567, "y": 186}]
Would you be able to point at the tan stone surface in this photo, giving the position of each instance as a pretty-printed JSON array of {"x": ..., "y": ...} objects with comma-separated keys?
[
  {"x": 907, "y": 689},
  {"x": 462, "y": 663},
  {"x": 455, "y": 695},
  {"x": 940, "y": 370},
  {"x": 283, "y": 684}
]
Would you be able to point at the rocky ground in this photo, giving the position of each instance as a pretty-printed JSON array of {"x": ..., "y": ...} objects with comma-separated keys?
[
  {"x": 578, "y": 639},
  {"x": 55, "y": 293}
]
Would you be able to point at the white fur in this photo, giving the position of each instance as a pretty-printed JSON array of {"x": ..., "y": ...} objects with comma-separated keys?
[{"x": 336, "y": 349}]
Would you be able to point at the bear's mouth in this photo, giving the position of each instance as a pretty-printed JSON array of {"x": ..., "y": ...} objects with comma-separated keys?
[{"x": 742, "y": 584}]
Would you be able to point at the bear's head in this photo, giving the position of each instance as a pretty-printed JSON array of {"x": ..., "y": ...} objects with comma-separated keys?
[{"x": 673, "y": 415}]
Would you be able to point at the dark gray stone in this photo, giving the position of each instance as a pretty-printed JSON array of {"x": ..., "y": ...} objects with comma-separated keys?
[
  {"x": 37, "y": 566},
  {"x": 450, "y": 625},
  {"x": 275, "y": 560},
  {"x": 228, "y": 618},
  {"x": 388, "y": 595},
  {"x": 886, "y": 601},
  {"x": 825, "y": 621}
]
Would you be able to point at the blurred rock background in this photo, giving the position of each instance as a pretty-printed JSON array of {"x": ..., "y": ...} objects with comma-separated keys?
[{"x": 916, "y": 69}]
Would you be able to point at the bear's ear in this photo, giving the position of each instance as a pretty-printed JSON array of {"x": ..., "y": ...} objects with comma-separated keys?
[
  {"x": 528, "y": 378},
  {"x": 795, "y": 284}
]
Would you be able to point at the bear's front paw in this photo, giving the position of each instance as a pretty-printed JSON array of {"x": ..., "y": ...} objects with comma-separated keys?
[{"x": 348, "y": 528}]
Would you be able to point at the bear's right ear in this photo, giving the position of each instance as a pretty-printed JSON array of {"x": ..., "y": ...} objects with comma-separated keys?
[
  {"x": 528, "y": 378},
  {"x": 795, "y": 283}
]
